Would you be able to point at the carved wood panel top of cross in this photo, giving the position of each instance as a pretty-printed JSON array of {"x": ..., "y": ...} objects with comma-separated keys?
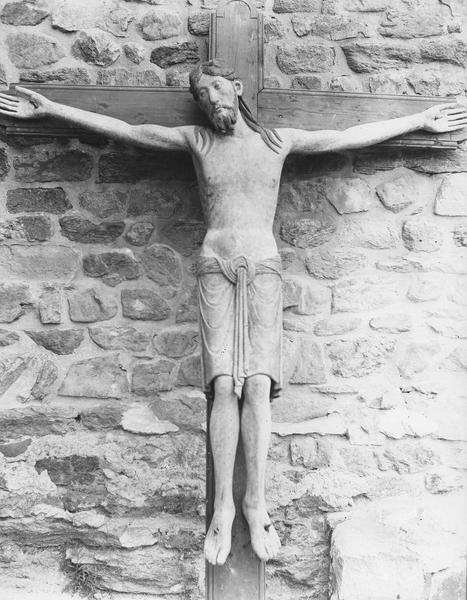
[{"x": 236, "y": 35}]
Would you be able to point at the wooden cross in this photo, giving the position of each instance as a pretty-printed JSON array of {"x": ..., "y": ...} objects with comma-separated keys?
[{"x": 236, "y": 35}]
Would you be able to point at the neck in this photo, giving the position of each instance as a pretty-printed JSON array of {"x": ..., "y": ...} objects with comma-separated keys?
[{"x": 241, "y": 129}]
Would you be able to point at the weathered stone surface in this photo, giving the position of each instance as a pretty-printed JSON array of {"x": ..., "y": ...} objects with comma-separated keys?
[
  {"x": 289, "y": 6},
  {"x": 187, "y": 310},
  {"x": 358, "y": 357},
  {"x": 51, "y": 200},
  {"x": 120, "y": 338},
  {"x": 142, "y": 419},
  {"x": 113, "y": 267},
  {"x": 124, "y": 77},
  {"x": 299, "y": 58},
  {"x": 397, "y": 193},
  {"x": 305, "y": 296},
  {"x": 367, "y": 57},
  {"x": 344, "y": 83},
  {"x": 430, "y": 83},
  {"x": 11, "y": 369},
  {"x": 162, "y": 265},
  {"x": 31, "y": 50},
  {"x": 424, "y": 288},
  {"x": 4, "y": 164},
  {"x": 97, "y": 47},
  {"x": 49, "y": 306},
  {"x": 392, "y": 323},
  {"x": 124, "y": 167},
  {"x": 14, "y": 449},
  {"x": 411, "y": 263},
  {"x": 365, "y": 5},
  {"x": 22, "y": 13},
  {"x": 185, "y": 236},
  {"x": 160, "y": 25},
  {"x": 332, "y": 264},
  {"x": 99, "y": 377},
  {"x": 38, "y": 261},
  {"x": 309, "y": 452},
  {"x": 373, "y": 560},
  {"x": 58, "y": 341},
  {"x": 306, "y": 233},
  {"x": 412, "y": 24},
  {"x": 176, "y": 342},
  {"x": 388, "y": 82},
  {"x": 331, "y": 27},
  {"x": 307, "y": 361},
  {"x": 145, "y": 304},
  {"x": 68, "y": 75},
  {"x": 152, "y": 377},
  {"x": 450, "y": 200},
  {"x": 190, "y": 371},
  {"x": 134, "y": 52},
  {"x": 349, "y": 195},
  {"x": 77, "y": 229},
  {"x": 448, "y": 328},
  {"x": 332, "y": 424},
  {"x": 106, "y": 14},
  {"x": 198, "y": 23},
  {"x": 416, "y": 357},
  {"x": 139, "y": 233},
  {"x": 358, "y": 295},
  {"x": 449, "y": 583},
  {"x": 451, "y": 50},
  {"x": 7, "y": 338},
  {"x": 406, "y": 458},
  {"x": 307, "y": 82},
  {"x": 37, "y": 228},
  {"x": 104, "y": 204},
  {"x": 14, "y": 299},
  {"x": 167, "y": 56},
  {"x": 336, "y": 325},
  {"x": 163, "y": 200},
  {"x": 459, "y": 235},
  {"x": 91, "y": 305},
  {"x": 46, "y": 378},
  {"x": 421, "y": 235},
  {"x": 50, "y": 165},
  {"x": 443, "y": 161}
]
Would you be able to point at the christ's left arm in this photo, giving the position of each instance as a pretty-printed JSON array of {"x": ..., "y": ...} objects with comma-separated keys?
[{"x": 444, "y": 118}]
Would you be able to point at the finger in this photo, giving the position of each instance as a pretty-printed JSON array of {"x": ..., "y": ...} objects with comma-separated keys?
[
  {"x": 8, "y": 98},
  {"x": 453, "y": 120},
  {"x": 457, "y": 126},
  {"x": 7, "y": 111},
  {"x": 458, "y": 111},
  {"x": 448, "y": 105},
  {"x": 4, "y": 102}
]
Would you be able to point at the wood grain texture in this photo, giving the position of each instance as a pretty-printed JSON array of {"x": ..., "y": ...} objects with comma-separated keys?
[{"x": 339, "y": 110}]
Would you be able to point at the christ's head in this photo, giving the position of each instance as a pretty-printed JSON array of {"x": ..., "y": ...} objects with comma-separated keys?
[{"x": 216, "y": 89}]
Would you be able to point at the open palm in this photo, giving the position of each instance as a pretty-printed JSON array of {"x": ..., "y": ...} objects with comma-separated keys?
[
  {"x": 26, "y": 105},
  {"x": 445, "y": 118}
]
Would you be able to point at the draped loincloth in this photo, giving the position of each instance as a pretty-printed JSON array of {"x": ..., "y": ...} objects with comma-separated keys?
[{"x": 240, "y": 315}]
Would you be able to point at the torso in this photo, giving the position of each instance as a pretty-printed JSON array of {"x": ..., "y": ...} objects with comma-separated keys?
[{"x": 238, "y": 180}]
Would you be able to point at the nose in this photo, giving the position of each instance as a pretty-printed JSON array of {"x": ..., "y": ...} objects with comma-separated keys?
[{"x": 213, "y": 96}]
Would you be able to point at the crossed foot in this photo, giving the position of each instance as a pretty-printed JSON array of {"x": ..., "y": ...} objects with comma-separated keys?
[{"x": 264, "y": 539}]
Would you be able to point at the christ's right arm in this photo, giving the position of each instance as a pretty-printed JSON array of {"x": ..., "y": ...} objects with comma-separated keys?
[{"x": 31, "y": 105}]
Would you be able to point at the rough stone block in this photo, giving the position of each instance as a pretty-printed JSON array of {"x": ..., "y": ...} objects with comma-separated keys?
[
  {"x": 50, "y": 306},
  {"x": 350, "y": 195},
  {"x": 107, "y": 15},
  {"x": 99, "y": 377},
  {"x": 37, "y": 228},
  {"x": 167, "y": 56},
  {"x": 355, "y": 295},
  {"x": 162, "y": 265},
  {"x": 358, "y": 357},
  {"x": 448, "y": 584},
  {"x": 144, "y": 304},
  {"x": 22, "y": 13},
  {"x": 50, "y": 165},
  {"x": 11, "y": 369},
  {"x": 333, "y": 264},
  {"x": 331, "y": 27},
  {"x": 198, "y": 23},
  {"x": 450, "y": 50},
  {"x": 38, "y": 262},
  {"x": 336, "y": 325},
  {"x": 134, "y": 52},
  {"x": 90, "y": 305},
  {"x": 68, "y": 75},
  {"x": 152, "y": 377},
  {"x": 142, "y": 419},
  {"x": 120, "y": 338},
  {"x": 124, "y": 77},
  {"x": 392, "y": 323},
  {"x": 4, "y": 164},
  {"x": 306, "y": 232},
  {"x": 308, "y": 365},
  {"x": 7, "y": 338},
  {"x": 160, "y": 25},
  {"x": 113, "y": 267},
  {"x": 190, "y": 371},
  {"x": 185, "y": 236},
  {"x": 304, "y": 296},
  {"x": 415, "y": 357},
  {"x": 58, "y": 341},
  {"x": 97, "y": 47},
  {"x": 307, "y": 82},
  {"x": 177, "y": 342},
  {"x": 302, "y": 58},
  {"x": 368, "y": 57},
  {"x": 139, "y": 233},
  {"x": 31, "y": 50},
  {"x": 398, "y": 193},
  {"x": 121, "y": 167},
  {"x": 412, "y": 24},
  {"x": 421, "y": 235},
  {"x": 77, "y": 229},
  {"x": 51, "y": 200},
  {"x": 451, "y": 197},
  {"x": 109, "y": 203},
  {"x": 365, "y": 5},
  {"x": 290, "y": 6}
]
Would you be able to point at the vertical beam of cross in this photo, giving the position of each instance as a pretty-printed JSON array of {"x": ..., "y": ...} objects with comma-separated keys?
[{"x": 236, "y": 36}]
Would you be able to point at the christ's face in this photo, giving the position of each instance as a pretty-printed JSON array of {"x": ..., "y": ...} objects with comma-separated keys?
[{"x": 218, "y": 99}]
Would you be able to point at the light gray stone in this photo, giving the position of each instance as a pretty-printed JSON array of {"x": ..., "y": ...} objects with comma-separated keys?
[
  {"x": 120, "y": 338},
  {"x": 152, "y": 377},
  {"x": 124, "y": 77},
  {"x": 358, "y": 357},
  {"x": 198, "y": 23},
  {"x": 177, "y": 342},
  {"x": 15, "y": 298},
  {"x": 289, "y": 6},
  {"x": 416, "y": 357},
  {"x": 306, "y": 233},
  {"x": 58, "y": 341},
  {"x": 298, "y": 58},
  {"x": 424, "y": 288},
  {"x": 305, "y": 296},
  {"x": 421, "y": 235},
  {"x": 90, "y": 305},
  {"x": 134, "y": 52},
  {"x": 409, "y": 24},
  {"x": 359, "y": 295},
  {"x": 31, "y": 50},
  {"x": 67, "y": 75},
  {"x": 451, "y": 197},
  {"x": 144, "y": 304},
  {"x": 392, "y": 323},
  {"x": 331, "y": 27},
  {"x": 113, "y": 267},
  {"x": 139, "y": 233},
  {"x": 38, "y": 262},
  {"x": 109, "y": 203},
  {"x": 398, "y": 193},
  {"x": 142, "y": 419},
  {"x": 160, "y": 25},
  {"x": 333, "y": 264},
  {"x": 97, "y": 47},
  {"x": 350, "y": 195},
  {"x": 99, "y": 377},
  {"x": 7, "y": 338},
  {"x": 368, "y": 57},
  {"x": 336, "y": 325},
  {"x": 162, "y": 265},
  {"x": 50, "y": 306},
  {"x": 22, "y": 13},
  {"x": 307, "y": 364}
]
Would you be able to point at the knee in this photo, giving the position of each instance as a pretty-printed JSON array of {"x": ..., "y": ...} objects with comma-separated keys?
[
  {"x": 257, "y": 389},
  {"x": 223, "y": 389}
]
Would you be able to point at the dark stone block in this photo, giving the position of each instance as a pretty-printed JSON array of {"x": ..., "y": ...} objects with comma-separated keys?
[
  {"x": 128, "y": 168},
  {"x": 52, "y": 200},
  {"x": 77, "y": 229},
  {"x": 166, "y": 56},
  {"x": 47, "y": 165}
]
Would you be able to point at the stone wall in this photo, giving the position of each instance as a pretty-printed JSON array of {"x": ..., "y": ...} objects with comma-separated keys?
[{"x": 102, "y": 423}]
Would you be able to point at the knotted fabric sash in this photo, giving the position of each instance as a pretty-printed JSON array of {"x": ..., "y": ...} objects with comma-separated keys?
[{"x": 240, "y": 271}]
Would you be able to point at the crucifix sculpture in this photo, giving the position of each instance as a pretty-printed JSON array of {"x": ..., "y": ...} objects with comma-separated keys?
[{"x": 238, "y": 157}]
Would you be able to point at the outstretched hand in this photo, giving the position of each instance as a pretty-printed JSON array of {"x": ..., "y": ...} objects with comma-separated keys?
[
  {"x": 445, "y": 118},
  {"x": 25, "y": 105}
]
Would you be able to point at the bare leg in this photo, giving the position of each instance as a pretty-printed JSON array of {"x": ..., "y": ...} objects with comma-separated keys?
[
  {"x": 256, "y": 432},
  {"x": 224, "y": 428}
]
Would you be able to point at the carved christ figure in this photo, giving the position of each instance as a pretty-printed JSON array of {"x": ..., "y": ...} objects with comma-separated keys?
[{"x": 238, "y": 166}]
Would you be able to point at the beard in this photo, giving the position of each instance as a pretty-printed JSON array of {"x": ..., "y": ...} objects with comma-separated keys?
[{"x": 224, "y": 120}]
